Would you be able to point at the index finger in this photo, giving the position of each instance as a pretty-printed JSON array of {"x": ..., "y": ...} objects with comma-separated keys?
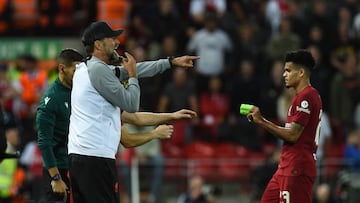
[
  {"x": 128, "y": 55},
  {"x": 193, "y": 57},
  {"x": 190, "y": 112}
]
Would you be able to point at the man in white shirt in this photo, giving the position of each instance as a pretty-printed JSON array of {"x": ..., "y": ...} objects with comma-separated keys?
[{"x": 97, "y": 98}]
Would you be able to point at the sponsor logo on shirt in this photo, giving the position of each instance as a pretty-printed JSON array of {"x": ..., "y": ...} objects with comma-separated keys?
[{"x": 47, "y": 99}]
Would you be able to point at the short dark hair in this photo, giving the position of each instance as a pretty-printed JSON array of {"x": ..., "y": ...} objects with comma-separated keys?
[
  {"x": 301, "y": 57},
  {"x": 68, "y": 56}
]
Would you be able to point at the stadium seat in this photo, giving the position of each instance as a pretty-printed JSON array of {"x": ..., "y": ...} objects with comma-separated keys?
[
  {"x": 201, "y": 159},
  {"x": 175, "y": 161},
  {"x": 232, "y": 162}
]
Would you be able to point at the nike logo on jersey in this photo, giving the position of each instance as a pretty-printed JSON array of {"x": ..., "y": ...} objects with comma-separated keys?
[
  {"x": 47, "y": 99},
  {"x": 66, "y": 105}
]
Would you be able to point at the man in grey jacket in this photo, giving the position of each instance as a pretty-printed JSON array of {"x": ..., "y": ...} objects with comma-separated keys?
[{"x": 97, "y": 99}]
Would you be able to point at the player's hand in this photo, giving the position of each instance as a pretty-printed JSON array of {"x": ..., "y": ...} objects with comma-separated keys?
[
  {"x": 164, "y": 131},
  {"x": 184, "y": 114},
  {"x": 59, "y": 187},
  {"x": 184, "y": 61},
  {"x": 254, "y": 115},
  {"x": 129, "y": 64}
]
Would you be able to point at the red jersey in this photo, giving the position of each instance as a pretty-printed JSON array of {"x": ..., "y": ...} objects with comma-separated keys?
[{"x": 299, "y": 158}]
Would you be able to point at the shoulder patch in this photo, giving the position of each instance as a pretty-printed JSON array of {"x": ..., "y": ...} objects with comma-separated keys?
[
  {"x": 304, "y": 104},
  {"x": 304, "y": 107}
]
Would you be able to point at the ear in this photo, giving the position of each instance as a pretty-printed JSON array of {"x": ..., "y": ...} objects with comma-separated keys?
[
  {"x": 61, "y": 67},
  {"x": 97, "y": 44},
  {"x": 302, "y": 72}
]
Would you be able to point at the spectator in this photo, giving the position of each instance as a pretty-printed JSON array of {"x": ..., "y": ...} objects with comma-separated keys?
[
  {"x": 322, "y": 75},
  {"x": 352, "y": 158},
  {"x": 316, "y": 37},
  {"x": 323, "y": 194},
  {"x": 323, "y": 144},
  {"x": 244, "y": 79},
  {"x": 357, "y": 116},
  {"x": 177, "y": 94},
  {"x": 3, "y": 142},
  {"x": 247, "y": 43},
  {"x": 273, "y": 16},
  {"x": 198, "y": 9},
  {"x": 10, "y": 182},
  {"x": 319, "y": 14},
  {"x": 295, "y": 13},
  {"x": 356, "y": 28},
  {"x": 236, "y": 15},
  {"x": 282, "y": 42},
  {"x": 165, "y": 17},
  {"x": 344, "y": 95},
  {"x": 213, "y": 45},
  {"x": 273, "y": 86},
  {"x": 214, "y": 108},
  {"x": 7, "y": 91},
  {"x": 140, "y": 31},
  {"x": 168, "y": 47},
  {"x": 352, "y": 151},
  {"x": 283, "y": 103},
  {"x": 342, "y": 42},
  {"x": 31, "y": 85},
  {"x": 32, "y": 162},
  {"x": 194, "y": 193}
]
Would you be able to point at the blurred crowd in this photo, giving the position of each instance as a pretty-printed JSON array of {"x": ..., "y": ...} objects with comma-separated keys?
[{"x": 241, "y": 45}]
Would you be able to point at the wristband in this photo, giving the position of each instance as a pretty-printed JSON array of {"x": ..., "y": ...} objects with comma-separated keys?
[
  {"x": 56, "y": 177},
  {"x": 171, "y": 58},
  {"x": 245, "y": 109}
]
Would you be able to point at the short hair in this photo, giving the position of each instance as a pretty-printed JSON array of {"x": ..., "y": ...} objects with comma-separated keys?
[
  {"x": 68, "y": 56},
  {"x": 301, "y": 57}
]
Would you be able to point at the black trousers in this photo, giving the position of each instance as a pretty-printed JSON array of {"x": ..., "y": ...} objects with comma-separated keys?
[
  {"x": 93, "y": 179},
  {"x": 47, "y": 194}
]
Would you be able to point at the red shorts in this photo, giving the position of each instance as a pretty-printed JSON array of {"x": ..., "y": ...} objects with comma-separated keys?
[{"x": 289, "y": 189}]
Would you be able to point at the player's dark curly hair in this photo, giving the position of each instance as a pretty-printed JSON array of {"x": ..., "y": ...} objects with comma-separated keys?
[{"x": 301, "y": 57}]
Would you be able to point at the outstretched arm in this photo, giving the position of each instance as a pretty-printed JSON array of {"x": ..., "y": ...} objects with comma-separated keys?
[
  {"x": 183, "y": 61},
  {"x": 148, "y": 118},
  {"x": 136, "y": 139},
  {"x": 151, "y": 68}
]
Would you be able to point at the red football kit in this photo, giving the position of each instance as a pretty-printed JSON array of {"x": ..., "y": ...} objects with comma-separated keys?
[{"x": 295, "y": 176}]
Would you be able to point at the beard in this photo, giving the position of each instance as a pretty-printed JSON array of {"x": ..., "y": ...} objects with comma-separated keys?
[{"x": 115, "y": 59}]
